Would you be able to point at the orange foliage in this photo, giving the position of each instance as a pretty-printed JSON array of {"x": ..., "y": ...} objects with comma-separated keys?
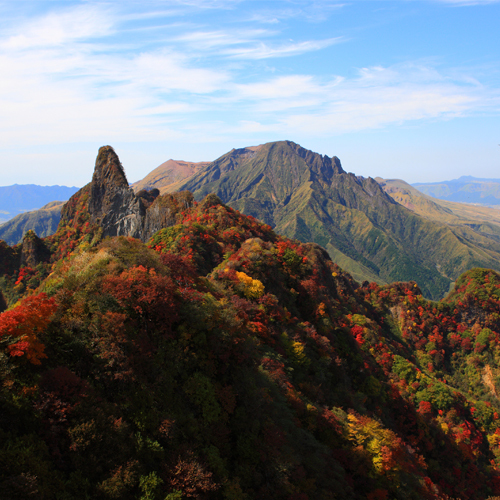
[{"x": 25, "y": 322}]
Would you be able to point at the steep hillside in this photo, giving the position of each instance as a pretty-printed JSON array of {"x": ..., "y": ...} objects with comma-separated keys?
[
  {"x": 43, "y": 222},
  {"x": 223, "y": 361},
  {"x": 168, "y": 173},
  {"x": 466, "y": 189},
  {"x": 307, "y": 196}
]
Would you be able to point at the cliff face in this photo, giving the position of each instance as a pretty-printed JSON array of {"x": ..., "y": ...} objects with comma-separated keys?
[
  {"x": 33, "y": 250},
  {"x": 112, "y": 203},
  {"x": 115, "y": 207}
]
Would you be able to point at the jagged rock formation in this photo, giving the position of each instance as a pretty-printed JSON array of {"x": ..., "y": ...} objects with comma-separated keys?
[
  {"x": 112, "y": 203},
  {"x": 162, "y": 212},
  {"x": 33, "y": 250},
  {"x": 114, "y": 206}
]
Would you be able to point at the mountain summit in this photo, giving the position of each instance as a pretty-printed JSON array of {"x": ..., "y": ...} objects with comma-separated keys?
[
  {"x": 116, "y": 209},
  {"x": 263, "y": 180},
  {"x": 310, "y": 197}
]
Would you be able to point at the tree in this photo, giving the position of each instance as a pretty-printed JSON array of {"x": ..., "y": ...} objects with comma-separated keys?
[{"x": 23, "y": 325}]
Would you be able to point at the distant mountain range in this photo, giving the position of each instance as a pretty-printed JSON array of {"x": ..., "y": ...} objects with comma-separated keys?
[
  {"x": 21, "y": 198},
  {"x": 43, "y": 221},
  {"x": 377, "y": 230},
  {"x": 466, "y": 189}
]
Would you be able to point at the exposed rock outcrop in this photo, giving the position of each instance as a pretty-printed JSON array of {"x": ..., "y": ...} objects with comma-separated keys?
[
  {"x": 112, "y": 203},
  {"x": 114, "y": 206},
  {"x": 33, "y": 250},
  {"x": 162, "y": 212}
]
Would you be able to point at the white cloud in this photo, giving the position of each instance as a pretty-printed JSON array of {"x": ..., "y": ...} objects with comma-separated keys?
[
  {"x": 69, "y": 77},
  {"x": 56, "y": 29},
  {"x": 249, "y": 44},
  {"x": 468, "y": 2},
  {"x": 377, "y": 97},
  {"x": 265, "y": 51},
  {"x": 60, "y": 85},
  {"x": 209, "y": 40}
]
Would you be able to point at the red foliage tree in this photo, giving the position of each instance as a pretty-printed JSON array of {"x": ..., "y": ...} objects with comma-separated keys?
[
  {"x": 25, "y": 322},
  {"x": 146, "y": 294}
]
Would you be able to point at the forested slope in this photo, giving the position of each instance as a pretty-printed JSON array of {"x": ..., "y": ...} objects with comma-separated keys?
[{"x": 221, "y": 360}]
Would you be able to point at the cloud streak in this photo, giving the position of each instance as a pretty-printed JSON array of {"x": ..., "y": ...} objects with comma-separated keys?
[{"x": 67, "y": 76}]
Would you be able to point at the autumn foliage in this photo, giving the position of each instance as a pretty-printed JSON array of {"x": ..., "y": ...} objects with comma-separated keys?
[
  {"x": 222, "y": 361},
  {"x": 22, "y": 326}
]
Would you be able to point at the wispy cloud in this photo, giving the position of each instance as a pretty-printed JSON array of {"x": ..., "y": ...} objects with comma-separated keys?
[
  {"x": 55, "y": 29},
  {"x": 70, "y": 75},
  {"x": 210, "y": 40},
  {"x": 376, "y": 97},
  {"x": 265, "y": 51},
  {"x": 250, "y": 44},
  {"x": 61, "y": 83},
  {"x": 468, "y": 2}
]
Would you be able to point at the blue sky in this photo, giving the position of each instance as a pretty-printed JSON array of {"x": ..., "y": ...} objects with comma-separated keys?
[{"x": 398, "y": 89}]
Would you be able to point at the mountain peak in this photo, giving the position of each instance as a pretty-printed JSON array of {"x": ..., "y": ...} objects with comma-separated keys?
[
  {"x": 110, "y": 194},
  {"x": 269, "y": 174},
  {"x": 108, "y": 168},
  {"x": 108, "y": 181}
]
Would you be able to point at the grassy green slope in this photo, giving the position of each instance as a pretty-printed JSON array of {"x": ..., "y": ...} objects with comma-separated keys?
[
  {"x": 476, "y": 228},
  {"x": 309, "y": 197}
]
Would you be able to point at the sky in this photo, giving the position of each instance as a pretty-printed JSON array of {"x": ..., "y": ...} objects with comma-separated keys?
[{"x": 406, "y": 89}]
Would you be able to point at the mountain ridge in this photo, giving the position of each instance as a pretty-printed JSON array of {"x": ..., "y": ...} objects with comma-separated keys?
[
  {"x": 20, "y": 198},
  {"x": 43, "y": 222},
  {"x": 310, "y": 197},
  {"x": 222, "y": 361},
  {"x": 168, "y": 173},
  {"x": 466, "y": 189}
]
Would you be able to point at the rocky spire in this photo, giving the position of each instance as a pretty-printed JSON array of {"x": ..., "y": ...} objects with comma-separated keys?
[
  {"x": 112, "y": 203},
  {"x": 114, "y": 206},
  {"x": 108, "y": 181}
]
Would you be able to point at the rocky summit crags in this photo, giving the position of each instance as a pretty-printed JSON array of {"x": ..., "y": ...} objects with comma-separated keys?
[{"x": 114, "y": 206}]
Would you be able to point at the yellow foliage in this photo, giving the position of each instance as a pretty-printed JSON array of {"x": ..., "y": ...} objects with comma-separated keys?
[
  {"x": 298, "y": 351},
  {"x": 295, "y": 350},
  {"x": 254, "y": 289},
  {"x": 373, "y": 437},
  {"x": 494, "y": 439}
]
